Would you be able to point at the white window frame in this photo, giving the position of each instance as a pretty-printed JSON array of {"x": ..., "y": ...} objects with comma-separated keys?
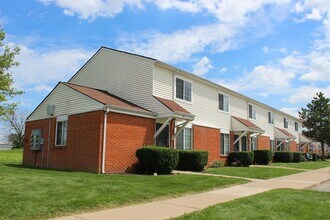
[
  {"x": 62, "y": 118},
  {"x": 296, "y": 126},
  {"x": 255, "y": 107},
  {"x": 272, "y": 148},
  {"x": 192, "y": 89},
  {"x": 225, "y": 95},
  {"x": 184, "y": 139},
  {"x": 273, "y": 119},
  {"x": 221, "y": 152},
  {"x": 255, "y": 138},
  {"x": 285, "y": 122}
]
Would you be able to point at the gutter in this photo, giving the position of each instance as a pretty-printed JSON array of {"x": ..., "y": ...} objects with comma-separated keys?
[{"x": 106, "y": 111}]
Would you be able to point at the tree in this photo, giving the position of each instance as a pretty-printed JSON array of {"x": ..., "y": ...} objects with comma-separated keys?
[
  {"x": 7, "y": 60},
  {"x": 316, "y": 119},
  {"x": 14, "y": 121}
]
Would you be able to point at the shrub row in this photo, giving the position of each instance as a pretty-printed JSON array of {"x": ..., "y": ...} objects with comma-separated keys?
[
  {"x": 192, "y": 160},
  {"x": 262, "y": 157},
  {"x": 283, "y": 156},
  {"x": 240, "y": 158},
  {"x": 161, "y": 160}
]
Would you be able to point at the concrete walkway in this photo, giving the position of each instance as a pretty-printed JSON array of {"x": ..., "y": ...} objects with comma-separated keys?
[
  {"x": 171, "y": 208},
  {"x": 279, "y": 167}
]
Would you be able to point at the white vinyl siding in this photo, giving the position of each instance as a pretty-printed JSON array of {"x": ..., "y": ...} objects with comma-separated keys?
[
  {"x": 127, "y": 76},
  {"x": 184, "y": 139},
  {"x": 223, "y": 102},
  {"x": 225, "y": 144},
  {"x": 252, "y": 112},
  {"x": 67, "y": 101}
]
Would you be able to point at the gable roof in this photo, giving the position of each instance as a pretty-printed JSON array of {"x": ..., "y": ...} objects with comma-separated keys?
[
  {"x": 286, "y": 133},
  {"x": 247, "y": 123},
  {"x": 105, "y": 97},
  {"x": 172, "y": 105}
]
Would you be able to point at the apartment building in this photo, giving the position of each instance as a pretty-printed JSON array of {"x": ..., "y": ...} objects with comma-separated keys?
[{"x": 118, "y": 102}]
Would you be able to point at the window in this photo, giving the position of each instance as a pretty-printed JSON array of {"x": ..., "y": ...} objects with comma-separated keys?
[
  {"x": 224, "y": 144},
  {"x": 223, "y": 102},
  {"x": 296, "y": 128},
  {"x": 286, "y": 123},
  {"x": 61, "y": 130},
  {"x": 271, "y": 118},
  {"x": 184, "y": 139},
  {"x": 183, "y": 89},
  {"x": 254, "y": 143},
  {"x": 252, "y": 112},
  {"x": 272, "y": 146}
]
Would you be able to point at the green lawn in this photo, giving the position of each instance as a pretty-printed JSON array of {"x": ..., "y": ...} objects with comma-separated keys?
[
  {"x": 252, "y": 172},
  {"x": 310, "y": 165},
  {"x": 28, "y": 193},
  {"x": 275, "y": 204}
]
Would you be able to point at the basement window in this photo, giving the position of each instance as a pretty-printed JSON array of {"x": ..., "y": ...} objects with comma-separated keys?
[
  {"x": 184, "y": 139},
  {"x": 183, "y": 89},
  {"x": 61, "y": 130}
]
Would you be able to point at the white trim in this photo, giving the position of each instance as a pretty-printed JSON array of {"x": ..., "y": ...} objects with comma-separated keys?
[
  {"x": 224, "y": 94},
  {"x": 248, "y": 111},
  {"x": 224, "y": 131},
  {"x": 174, "y": 89},
  {"x": 61, "y": 145},
  {"x": 61, "y": 118}
]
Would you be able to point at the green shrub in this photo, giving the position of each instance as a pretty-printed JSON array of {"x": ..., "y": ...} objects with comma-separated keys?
[
  {"x": 240, "y": 158},
  {"x": 217, "y": 164},
  {"x": 192, "y": 160},
  {"x": 283, "y": 156},
  {"x": 153, "y": 159},
  {"x": 315, "y": 157},
  {"x": 262, "y": 157},
  {"x": 297, "y": 156}
]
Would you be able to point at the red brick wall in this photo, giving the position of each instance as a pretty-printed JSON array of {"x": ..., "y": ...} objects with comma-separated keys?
[
  {"x": 293, "y": 146},
  {"x": 125, "y": 134},
  {"x": 207, "y": 139},
  {"x": 263, "y": 143},
  {"x": 82, "y": 152}
]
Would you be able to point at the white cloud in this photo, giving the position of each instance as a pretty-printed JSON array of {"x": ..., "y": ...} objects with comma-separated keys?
[
  {"x": 291, "y": 111},
  {"x": 305, "y": 94},
  {"x": 202, "y": 66},
  {"x": 91, "y": 9},
  {"x": 265, "y": 49},
  {"x": 319, "y": 69},
  {"x": 223, "y": 70},
  {"x": 263, "y": 79},
  {"x": 42, "y": 88},
  {"x": 228, "y": 32},
  {"x": 39, "y": 68}
]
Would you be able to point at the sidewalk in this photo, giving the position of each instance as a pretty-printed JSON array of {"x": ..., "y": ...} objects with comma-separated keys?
[{"x": 171, "y": 208}]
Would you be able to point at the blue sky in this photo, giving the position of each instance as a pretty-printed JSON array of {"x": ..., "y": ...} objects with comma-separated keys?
[{"x": 275, "y": 51}]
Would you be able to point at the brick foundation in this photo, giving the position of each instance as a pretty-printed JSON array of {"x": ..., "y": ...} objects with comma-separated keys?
[
  {"x": 125, "y": 134},
  {"x": 263, "y": 143},
  {"x": 207, "y": 139},
  {"x": 293, "y": 146}
]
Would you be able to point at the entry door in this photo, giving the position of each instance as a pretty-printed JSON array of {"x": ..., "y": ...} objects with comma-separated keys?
[{"x": 162, "y": 139}]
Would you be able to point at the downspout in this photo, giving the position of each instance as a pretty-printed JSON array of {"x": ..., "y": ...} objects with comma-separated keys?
[{"x": 106, "y": 111}]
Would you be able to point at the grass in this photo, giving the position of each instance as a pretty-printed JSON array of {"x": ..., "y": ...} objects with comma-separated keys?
[
  {"x": 310, "y": 165},
  {"x": 28, "y": 193},
  {"x": 252, "y": 172},
  {"x": 275, "y": 204}
]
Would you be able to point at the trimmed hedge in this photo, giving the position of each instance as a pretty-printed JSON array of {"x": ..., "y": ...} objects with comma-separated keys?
[
  {"x": 283, "y": 156},
  {"x": 160, "y": 160},
  {"x": 296, "y": 157},
  {"x": 262, "y": 157},
  {"x": 192, "y": 160},
  {"x": 240, "y": 158},
  {"x": 315, "y": 157}
]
